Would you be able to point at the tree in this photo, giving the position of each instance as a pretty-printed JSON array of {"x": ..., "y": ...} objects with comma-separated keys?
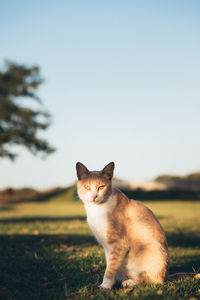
[{"x": 20, "y": 124}]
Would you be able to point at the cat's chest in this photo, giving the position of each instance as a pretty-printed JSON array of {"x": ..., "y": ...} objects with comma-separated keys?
[{"x": 97, "y": 218}]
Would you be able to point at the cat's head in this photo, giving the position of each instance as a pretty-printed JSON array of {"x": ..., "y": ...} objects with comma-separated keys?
[{"x": 94, "y": 186}]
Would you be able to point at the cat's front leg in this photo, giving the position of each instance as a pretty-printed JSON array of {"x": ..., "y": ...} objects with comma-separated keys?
[
  {"x": 106, "y": 251},
  {"x": 115, "y": 259}
]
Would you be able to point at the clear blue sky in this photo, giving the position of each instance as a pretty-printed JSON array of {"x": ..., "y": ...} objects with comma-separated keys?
[{"x": 122, "y": 84}]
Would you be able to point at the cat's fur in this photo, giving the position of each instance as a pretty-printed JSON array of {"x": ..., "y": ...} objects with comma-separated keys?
[{"x": 134, "y": 242}]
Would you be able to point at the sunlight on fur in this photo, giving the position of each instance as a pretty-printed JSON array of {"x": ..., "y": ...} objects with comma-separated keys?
[{"x": 134, "y": 242}]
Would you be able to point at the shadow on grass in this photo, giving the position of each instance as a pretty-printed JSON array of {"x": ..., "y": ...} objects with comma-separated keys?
[
  {"x": 6, "y": 208},
  {"x": 31, "y": 268},
  {"x": 51, "y": 219},
  {"x": 47, "y": 240},
  {"x": 183, "y": 239},
  {"x": 42, "y": 219},
  {"x": 186, "y": 264}
]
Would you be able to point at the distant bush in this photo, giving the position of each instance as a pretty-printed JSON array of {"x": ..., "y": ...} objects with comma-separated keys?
[
  {"x": 168, "y": 177},
  {"x": 192, "y": 177}
]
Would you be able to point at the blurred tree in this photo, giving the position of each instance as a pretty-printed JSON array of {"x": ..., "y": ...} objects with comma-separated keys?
[{"x": 19, "y": 124}]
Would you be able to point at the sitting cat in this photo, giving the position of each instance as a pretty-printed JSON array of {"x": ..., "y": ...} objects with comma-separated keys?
[{"x": 134, "y": 242}]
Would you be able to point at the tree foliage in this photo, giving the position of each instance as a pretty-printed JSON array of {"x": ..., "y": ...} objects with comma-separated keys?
[{"x": 19, "y": 123}]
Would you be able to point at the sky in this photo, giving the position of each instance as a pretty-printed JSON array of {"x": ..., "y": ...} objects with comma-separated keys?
[{"x": 122, "y": 82}]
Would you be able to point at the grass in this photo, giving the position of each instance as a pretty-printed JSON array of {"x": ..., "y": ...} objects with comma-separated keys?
[{"x": 48, "y": 252}]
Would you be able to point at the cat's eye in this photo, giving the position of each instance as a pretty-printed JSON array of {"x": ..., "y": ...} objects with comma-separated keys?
[
  {"x": 87, "y": 187},
  {"x": 101, "y": 187}
]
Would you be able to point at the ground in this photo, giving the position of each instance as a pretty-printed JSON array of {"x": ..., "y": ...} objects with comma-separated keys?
[{"x": 48, "y": 252}]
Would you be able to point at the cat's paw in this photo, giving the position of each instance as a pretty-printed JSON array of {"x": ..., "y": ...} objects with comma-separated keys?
[
  {"x": 106, "y": 284},
  {"x": 129, "y": 283},
  {"x": 104, "y": 288}
]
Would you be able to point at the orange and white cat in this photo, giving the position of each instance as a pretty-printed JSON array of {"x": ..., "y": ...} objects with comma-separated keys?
[{"x": 134, "y": 242}]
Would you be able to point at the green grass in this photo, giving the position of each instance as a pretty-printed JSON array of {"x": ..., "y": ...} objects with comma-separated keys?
[{"x": 48, "y": 252}]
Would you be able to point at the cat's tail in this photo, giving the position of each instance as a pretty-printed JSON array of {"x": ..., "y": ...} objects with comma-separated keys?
[{"x": 183, "y": 275}]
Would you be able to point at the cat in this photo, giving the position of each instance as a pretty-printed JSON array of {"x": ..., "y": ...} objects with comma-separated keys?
[{"x": 135, "y": 246}]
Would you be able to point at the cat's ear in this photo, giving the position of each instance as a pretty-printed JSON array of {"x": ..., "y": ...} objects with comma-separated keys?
[
  {"x": 81, "y": 170},
  {"x": 108, "y": 170}
]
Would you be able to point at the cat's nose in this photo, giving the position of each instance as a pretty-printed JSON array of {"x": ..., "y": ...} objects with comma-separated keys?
[{"x": 94, "y": 197}]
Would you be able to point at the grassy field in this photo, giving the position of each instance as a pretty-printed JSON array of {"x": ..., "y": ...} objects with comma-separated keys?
[{"x": 48, "y": 252}]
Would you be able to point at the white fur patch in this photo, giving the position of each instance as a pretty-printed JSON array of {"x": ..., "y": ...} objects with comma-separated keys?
[{"x": 97, "y": 218}]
